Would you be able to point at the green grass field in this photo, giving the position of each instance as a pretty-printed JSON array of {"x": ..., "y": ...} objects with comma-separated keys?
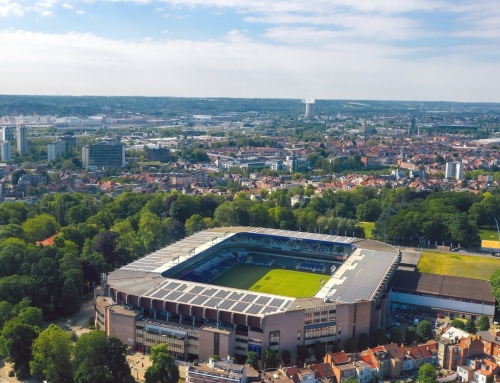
[
  {"x": 294, "y": 284},
  {"x": 488, "y": 235},
  {"x": 458, "y": 265},
  {"x": 368, "y": 226}
]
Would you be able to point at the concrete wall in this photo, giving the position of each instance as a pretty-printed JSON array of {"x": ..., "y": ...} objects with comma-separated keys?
[{"x": 121, "y": 326}]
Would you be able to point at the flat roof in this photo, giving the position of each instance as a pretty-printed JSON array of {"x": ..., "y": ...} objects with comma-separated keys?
[
  {"x": 443, "y": 285},
  {"x": 359, "y": 277}
]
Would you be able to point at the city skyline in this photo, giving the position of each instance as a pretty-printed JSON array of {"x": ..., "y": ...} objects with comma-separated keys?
[{"x": 426, "y": 50}]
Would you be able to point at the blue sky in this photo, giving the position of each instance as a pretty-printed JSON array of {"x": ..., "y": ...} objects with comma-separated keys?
[{"x": 375, "y": 49}]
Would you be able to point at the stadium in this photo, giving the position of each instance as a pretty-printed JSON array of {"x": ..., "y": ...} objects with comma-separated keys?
[{"x": 227, "y": 291}]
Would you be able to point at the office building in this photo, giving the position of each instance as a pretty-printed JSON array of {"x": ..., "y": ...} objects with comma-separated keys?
[
  {"x": 158, "y": 154},
  {"x": 56, "y": 149},
  {"x": 6, "y": 151},
  {"x": 22, "y": 139},
  {"x": 104, "y": 155},
  {"x": 7, "y": 133},
  {"x": 454, "y": 170},
  {"x": 70, "y": 140}
]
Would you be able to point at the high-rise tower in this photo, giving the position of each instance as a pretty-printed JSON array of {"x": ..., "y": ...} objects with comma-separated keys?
[
  {"x": 309, "y": 114},
  {"x": 22, "y": 139}
]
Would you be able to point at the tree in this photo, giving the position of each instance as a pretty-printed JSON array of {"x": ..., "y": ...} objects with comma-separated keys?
[
  {"x": 350, "y": 345},
  {"x": 303, "y": 353},
  {"x": 52, "y": 355},
  {"x": 227, "y": 215},
  {"x": 484, "y": 323},
  {"x": 286, "y": 357},
  {"x": 17, "y": 339},
  {"x": 457, "y": 323},
  {"x": 269, "y": 359},
  {"x": 470, "y": 326},
  {"x": 379, "y": 337},
  {"x": 424, "y": 331},
  {"x": 396, "y": 335},
  {"x": 32, "y": 316},
  {"x": 163, "y": 368},
  {"x": 350, "y": 380},
  {"x": 98, "y": 358},
  {"x": 253, "y": 359},
  {"x": 336, "y": 347},
  {"x": 319, "y": 351},
  {"x": 410, "y": 335},
  {"x": 195, "y": 224},
  {"x": 40, "y": 227},
  {"x": 363, "y": 341},
  {"x": 369, "y": 211},
  {"x": 426, "y": 373}
]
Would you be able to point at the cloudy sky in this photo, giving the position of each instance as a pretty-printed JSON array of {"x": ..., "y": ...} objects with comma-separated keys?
[{"x": 348, "y": 49}]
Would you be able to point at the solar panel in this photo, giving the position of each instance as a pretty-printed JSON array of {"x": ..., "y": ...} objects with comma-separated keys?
[
  {"x": 222, "y": 294},
  {"x": 241, "y": 306},
  {"x": 249, "y": 298},
  {"x": 235, "y": 296},
  {"x": 276, "y": 302},
  {"x": 254, "y": 309},
  {"x": 262, "y": 300},
  {"x": 212, "y": 302},
  {"x": 197, "y": 289},
  {"x": 159, "y": 293},
  {"x": 182, "y": 287},
  {"x": 173, "y": 295},
  {"x": 186, "y": 298},
  {"x": 199, "y": 300},
  {"x": 269, "y": 310},
  {"x": 172, "y": 285},
  {"x": 210, "y": 292},
  {"x": 225, "y": 305}
]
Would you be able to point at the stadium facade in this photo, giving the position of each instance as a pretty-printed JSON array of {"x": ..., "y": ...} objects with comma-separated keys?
[{"x": 167, "y": 296}]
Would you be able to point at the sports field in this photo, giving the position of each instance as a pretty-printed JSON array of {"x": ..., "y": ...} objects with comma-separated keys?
[
  {"x": 290, "y": 283},
  {"x": 488, "y": 235},
  {"x": 458, "y": 265}
]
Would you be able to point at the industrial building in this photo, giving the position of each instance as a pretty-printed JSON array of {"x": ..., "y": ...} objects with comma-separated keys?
[
  {"x": 309, "y": 114},
  {"x": 167, "y": 295}
]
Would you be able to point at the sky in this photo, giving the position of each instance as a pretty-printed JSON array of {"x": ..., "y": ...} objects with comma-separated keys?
[{"x": 325, "y": 49}]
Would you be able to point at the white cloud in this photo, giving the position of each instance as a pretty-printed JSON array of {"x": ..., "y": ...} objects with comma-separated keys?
[
  {"x": 165, "y": 31},
  {"x": 236, "y": 67},
  {"x": 80, "y": 12},
  {"x": 67, "y": 6},
  {"x": 8, "y": 9},
  {"x": 167, "y": 15},
  {"x": 159, "y": 9}
]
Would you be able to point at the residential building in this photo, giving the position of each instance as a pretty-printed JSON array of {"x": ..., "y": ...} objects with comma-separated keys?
[
  {"x": 454, "y": 170},
  {"x": 22, "y": 139},
  {"x": 7, "y": 133},
  {"x": 56, "y": 149},
  {"x": 158, "y": 154},
  {"x": 455, "y": 346},
  {"x": 105, "y": 155},
  {"x": 224, "y": 371},
  {"x": 485, "y": 178},
  {"x": 70, "y": 140},
  {"x": 6, "y": 151}
]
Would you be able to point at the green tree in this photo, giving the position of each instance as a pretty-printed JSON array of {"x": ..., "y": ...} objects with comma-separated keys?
[
  {"x": 410, "y": 335},
  {"x": 98, "y": 358},
  {"x": 52, "y": 355},
  {"x": 350, "y": 380},
  {"x": 17, "y": 339},
  {"x": 253, "y": 359},
  {"x": 40, "y": 227},
  {"x": 195, "y": 224},
  {"x": 457, "y": 323},
  {"x": 483, "y": 323},
  {"x": 163, "y": 368},
  {"x": 269, "y": 359},
  {"x": 286, "y": 357},
  {"x": 470, "y": 326},
  {"x": 426, "y": 373},
  {"x": 424, "y": 331},
  {"x": 350, "y": 345},
  {"x": 31, "y": 316},
  {"x": 336, "y": 347},
  {"x": 303, "y": 353},
  {"x": 369, "y": 211},
  {"x": 363, "y": 341},
  {"x": 379, "y": 337},
  {"x": 319, "y": 351},
  {"x": 396, "y": 335},
  {"x": 227, "y": 215}
]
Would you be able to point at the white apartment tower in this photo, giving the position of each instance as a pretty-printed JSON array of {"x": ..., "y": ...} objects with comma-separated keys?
[
  {"x": 56, "y": 149},
  {"x": 454, "y": 170},
  {"x": 6, "y": 151},
  {"x": 22, "y": 139}
]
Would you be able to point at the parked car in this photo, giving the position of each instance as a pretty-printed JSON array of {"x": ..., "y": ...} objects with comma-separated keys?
[{"x": 11, "y": 374}]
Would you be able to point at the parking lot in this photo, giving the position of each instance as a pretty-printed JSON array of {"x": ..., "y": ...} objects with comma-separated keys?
[{"x": 403, "y": 318}]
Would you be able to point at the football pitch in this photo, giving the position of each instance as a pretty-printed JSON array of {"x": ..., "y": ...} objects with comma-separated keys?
[
  {"x": 465, "y": 266},
  {"x": 289, "y": 283}
]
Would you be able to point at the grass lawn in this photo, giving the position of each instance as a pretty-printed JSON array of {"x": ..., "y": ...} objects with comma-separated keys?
[
  {"x": 458, "y": 265},
  {"x": 294, "y": 284},
  {"x": 368, "y": 226},
  {"x": 488, "y": 235}
]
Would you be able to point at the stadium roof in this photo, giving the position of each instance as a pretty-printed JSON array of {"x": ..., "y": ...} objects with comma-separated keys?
[
  {"x": 443, "y": 285},
  {"x": 359, "y": 277},
  {"x": 176, "y": 253}
]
